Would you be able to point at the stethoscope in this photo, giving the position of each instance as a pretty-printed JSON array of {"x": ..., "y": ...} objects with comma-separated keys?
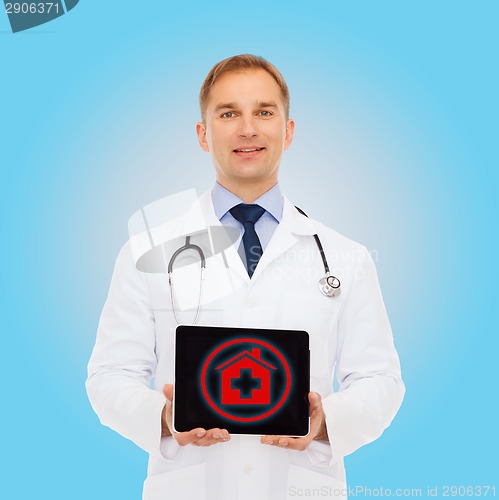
[{"x": 329, "y": 285}]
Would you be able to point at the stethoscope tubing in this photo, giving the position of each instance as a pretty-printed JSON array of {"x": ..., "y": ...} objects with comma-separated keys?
[{"x": 329, "y": 285}]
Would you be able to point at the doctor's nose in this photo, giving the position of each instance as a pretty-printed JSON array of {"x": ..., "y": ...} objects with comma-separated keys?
[{"x": 247, "y": 128}]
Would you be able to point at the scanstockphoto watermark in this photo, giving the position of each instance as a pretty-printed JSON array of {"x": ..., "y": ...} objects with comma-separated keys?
[
  {"x": 353, "y": 491},
  {"x": 352, "y": 255},
  {"x": 362, "y": 491},
  {"x": 306, "y": 264}
]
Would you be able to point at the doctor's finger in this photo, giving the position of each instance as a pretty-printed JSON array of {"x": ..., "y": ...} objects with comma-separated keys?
[
  {"x": 213, "y": 436},
  {"x": 190, "y": 437},
  {"x": 168, "y": 391},
  {"x": 269, "y": 439},
  {"x": 315, "y": 400},
  {"x": 298, "y": 444}
]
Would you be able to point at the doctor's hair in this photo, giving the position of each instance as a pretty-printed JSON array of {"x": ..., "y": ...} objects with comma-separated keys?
[{"x": 243, "y": 62}]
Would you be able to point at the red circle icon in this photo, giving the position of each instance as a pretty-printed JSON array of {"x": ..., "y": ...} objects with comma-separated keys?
[{"x": 267, "y": 411}]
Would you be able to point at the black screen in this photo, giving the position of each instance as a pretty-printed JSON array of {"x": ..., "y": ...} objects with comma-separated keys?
[{"x": 248, "y": 381}]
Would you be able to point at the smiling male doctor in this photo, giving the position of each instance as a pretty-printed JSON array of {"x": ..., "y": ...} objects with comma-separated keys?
[{"x": 246, "y": 127}]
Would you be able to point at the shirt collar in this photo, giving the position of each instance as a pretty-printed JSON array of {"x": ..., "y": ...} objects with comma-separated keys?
[{"x": 223, "y": 200}]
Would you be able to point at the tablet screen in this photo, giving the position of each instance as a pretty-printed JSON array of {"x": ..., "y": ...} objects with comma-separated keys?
[{"x": 248, "y": 381}]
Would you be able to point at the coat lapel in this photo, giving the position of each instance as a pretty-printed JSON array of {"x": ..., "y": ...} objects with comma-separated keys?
[
  {"x": 225, "y": 259},
  {"x": 225, "y": 272},
  {"x": 292, "y": 225}
]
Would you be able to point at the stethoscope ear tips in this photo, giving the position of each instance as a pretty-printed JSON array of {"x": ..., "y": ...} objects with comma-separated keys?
[{"x": 330, "y": 286}]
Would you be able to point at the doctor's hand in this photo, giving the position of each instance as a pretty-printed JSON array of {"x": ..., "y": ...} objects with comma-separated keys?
[
  {"x": 196, "y": 437},
  {"x": 318, "y": 428}
]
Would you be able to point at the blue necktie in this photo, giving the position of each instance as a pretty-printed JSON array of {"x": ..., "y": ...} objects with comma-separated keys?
[{"x": 247, "y": 215}]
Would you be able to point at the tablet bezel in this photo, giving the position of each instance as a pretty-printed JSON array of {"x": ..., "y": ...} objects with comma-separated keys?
[{"x": 295, "y": 341}]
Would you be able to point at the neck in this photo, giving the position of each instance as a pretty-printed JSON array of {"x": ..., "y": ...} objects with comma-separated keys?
[{"x": 248, "y": 192}]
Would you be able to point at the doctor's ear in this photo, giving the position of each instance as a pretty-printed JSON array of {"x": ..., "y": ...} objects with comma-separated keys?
[
  {"x": 290, "y": 130},
  {"x": 201, "y": 132}
]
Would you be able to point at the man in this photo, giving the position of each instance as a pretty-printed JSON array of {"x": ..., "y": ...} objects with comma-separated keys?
[{"x": 246, "y": 127}]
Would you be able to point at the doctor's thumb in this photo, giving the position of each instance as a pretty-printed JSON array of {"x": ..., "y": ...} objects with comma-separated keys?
[
  {"x": 315, "y": 399},
  {"x": 168, "y": 392}
]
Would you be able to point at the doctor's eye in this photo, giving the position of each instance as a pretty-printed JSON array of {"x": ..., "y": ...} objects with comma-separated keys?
[
  {"x": 228, "y": 114},
  {"x": 265, "y": 113}
]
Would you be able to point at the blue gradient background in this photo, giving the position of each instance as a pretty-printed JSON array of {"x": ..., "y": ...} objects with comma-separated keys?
[{"x": 395, "y": 146}]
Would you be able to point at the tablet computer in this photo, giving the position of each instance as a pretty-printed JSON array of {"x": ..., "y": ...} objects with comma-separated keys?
[{"x": 245, "y": 380}]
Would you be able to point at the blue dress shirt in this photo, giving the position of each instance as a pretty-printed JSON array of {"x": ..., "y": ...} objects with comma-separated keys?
[{"x": 272, "y": 201}]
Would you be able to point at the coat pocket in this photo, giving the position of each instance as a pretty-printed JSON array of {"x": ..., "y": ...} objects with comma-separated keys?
[{"x": 187, "y": 483}]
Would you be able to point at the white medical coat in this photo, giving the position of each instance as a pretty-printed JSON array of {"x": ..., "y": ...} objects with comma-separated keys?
[{"x": 350, "y": 338}]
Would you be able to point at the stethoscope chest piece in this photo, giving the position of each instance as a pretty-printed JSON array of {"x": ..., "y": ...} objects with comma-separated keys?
[{"x": 330, "y": 286}]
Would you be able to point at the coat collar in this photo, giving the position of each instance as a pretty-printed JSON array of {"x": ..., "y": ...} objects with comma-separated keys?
[
  {"x": 287, "y": 234},
  {"x": 201, "y": 219},
  {"x": 292, "y": 226},
  {"x": 292, "y": 220},
  {"x": 296, "y": 222},
  {"x": 225, "y": 271}
]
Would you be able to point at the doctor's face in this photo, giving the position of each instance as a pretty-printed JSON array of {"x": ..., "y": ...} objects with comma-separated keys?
[{"x": 245, "y": 129}]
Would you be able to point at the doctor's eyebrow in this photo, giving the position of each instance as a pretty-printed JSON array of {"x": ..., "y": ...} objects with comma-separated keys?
[
  {"x": 235, "y": 105},
  {"x": 223, "y": 105},
  {"x": 263, "y": 104}
]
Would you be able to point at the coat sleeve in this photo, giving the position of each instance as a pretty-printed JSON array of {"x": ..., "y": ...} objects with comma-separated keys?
[
  {"x": 367, "y": 367},
  {"x": 123, "y": 361}
]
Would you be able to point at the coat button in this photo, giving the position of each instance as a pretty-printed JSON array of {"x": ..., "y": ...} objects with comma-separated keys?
[{"x": 248, "y": 469}]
